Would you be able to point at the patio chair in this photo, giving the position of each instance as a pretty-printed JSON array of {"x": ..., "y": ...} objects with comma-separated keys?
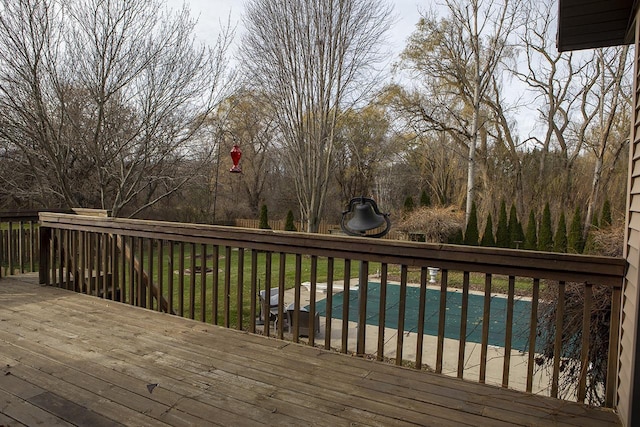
[
  {"x": 273, "y": 304},
  {"x": 304, "y": 319}
]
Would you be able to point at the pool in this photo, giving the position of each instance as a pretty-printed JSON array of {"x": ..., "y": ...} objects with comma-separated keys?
[{"x": 497, "y": 320}]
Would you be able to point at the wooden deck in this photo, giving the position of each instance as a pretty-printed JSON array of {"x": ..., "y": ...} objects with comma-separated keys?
[{"x": 72, "y": 359}]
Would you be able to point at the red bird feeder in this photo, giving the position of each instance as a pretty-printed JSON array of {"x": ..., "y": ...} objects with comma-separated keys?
[{"x": 236, "y": 154}]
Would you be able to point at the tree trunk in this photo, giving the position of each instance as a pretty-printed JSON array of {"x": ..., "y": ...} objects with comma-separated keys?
[{"x": 471, "y": 169}]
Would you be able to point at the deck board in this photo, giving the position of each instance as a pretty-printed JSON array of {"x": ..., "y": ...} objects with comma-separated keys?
[{"x": 72, "y": 359}]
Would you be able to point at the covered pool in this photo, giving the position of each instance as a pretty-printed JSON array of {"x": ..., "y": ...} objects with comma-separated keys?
[{"x": 498, "y": 313}]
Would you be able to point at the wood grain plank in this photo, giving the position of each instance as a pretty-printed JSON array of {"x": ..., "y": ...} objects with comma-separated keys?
[
  {"x": 103, "y": 354},
  {"x": 26, "y": 413},
  {"x": 251, "y": 363},
  {"x": 145, "y": 347}
]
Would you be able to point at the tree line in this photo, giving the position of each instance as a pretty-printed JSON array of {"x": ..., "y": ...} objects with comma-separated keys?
[{"x": 119, "y": 106}]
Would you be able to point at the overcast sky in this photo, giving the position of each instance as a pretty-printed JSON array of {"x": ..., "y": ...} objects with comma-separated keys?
[{"x": 212, "y": 13}]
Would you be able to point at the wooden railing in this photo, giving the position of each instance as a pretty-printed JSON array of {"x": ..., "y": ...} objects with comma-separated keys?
[
  {"x": 215, "y": 274},
  {"x": 18, "y": 242},
  {"x": 323, "y": 228}
]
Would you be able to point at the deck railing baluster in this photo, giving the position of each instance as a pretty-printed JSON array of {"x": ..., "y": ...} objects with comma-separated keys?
[
  {"x": 227, "y": 287},
  {"x": 533, "y": 329},
  {"x": 192, "y": 282},
  {"x": 486, "y": 321},
  {"x": 312, "y": 300},
  {"x": 99, "y": 272},
  {"x": 32, "y": 243},
  {"x": 363, "y": 285},
  {"x": 557, "y": 348},
  {"x": 148, "y": 266},
  {"x": 74, "y": 254},
  {"x": 240, "y": 293},
  {"x": 45, "y": 248},
  {"x": 401, "y": 312},
  {"x": 382, "y": 310},
  {"x": 160, "y": 264},
  {"x": 107, "y": 276},
  {"x": 53, "y": 262},
  {"x": 59, "y": 256},
  {"x": 181, "y": 280},
  {"x": 614, "y": 340},
  {"x": 424, "y": 272},
  {"x": 142, "y": 289},
  {"x": 462, "y": 342},
  {"x": 281, "y": 288},
  {"x": 253, "y": 308},
  {"x": 116, "y": 262},
  {"x": 82, "y": 268},
  {"x": 62, "y": 253},
  {"x": 93, "y": 271},
  {"x": 21, "y": 246},
  {"x": 584, "y": 350},
  {"x": 346, "y": 286},
  {"x": 296, "y": 298},
  {"x": 509, "y": 332},
  {"x": 67, "y": 260},
  {"x": 203, "y": 282},
  {"x": 170, "y": 276},
  {"x": 266, "y": 309},
  {"x": 132, "y": 272},
  {"x": 444, "y": 283},
  {"x": 329, "y": 304},
  {"x": 10, "y": 248},
  {"x": 3, "y": 251}
]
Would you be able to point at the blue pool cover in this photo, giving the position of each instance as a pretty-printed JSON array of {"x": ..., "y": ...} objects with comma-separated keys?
[{"x": 498, "y": 314}]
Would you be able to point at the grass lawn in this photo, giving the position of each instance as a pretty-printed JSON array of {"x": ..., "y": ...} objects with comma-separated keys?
[{"x": 192, "y": 290}]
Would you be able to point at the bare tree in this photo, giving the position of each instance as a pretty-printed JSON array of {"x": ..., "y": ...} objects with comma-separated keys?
[
  {"x": 248, "y": 118},
  {"x": 104, "y": 98},
  {"x": 313, "y": 59},
  {"x": 554, "y": 79},
  {"x": 605, "y": 112},
  {"x": 458, "y": 58}
]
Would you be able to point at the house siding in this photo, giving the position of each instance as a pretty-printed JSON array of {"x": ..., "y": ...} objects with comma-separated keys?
[{"x": 628, "y": 369}]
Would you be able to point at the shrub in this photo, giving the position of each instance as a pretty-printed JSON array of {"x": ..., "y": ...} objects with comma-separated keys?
[
  {"x": 575, "y": 242},
  {"x": 487, "y": 236},
  {"x": 606, "y": 242},
  {"x": 502, "y": 233},
  {"x": 264, "y": 218},
  {"x": 409, "y": 205},
  {"x": 516, "y": 235},
  {"x": 531, "y": 239},
  {"x": 438, "y": 224},
  {"x": 560, "y": 239},
  {"x": 471, "y": 234},
  {"x": 289, "y": 224},
  {"x": 425, "y": 200},
  {"x": 545, "y": 237},
  {"x": 594, "y": 221},
  {"x": 570, "y": 364},
  {"x": 456, "y": 237}
]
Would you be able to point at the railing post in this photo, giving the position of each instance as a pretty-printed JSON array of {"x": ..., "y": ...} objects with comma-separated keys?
[
  {"x": 10, "y": 248},
  {"x": 1, "y": 248},
  {"x": 614, "y": 342},
  {"x": 45, "y": 253}
]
